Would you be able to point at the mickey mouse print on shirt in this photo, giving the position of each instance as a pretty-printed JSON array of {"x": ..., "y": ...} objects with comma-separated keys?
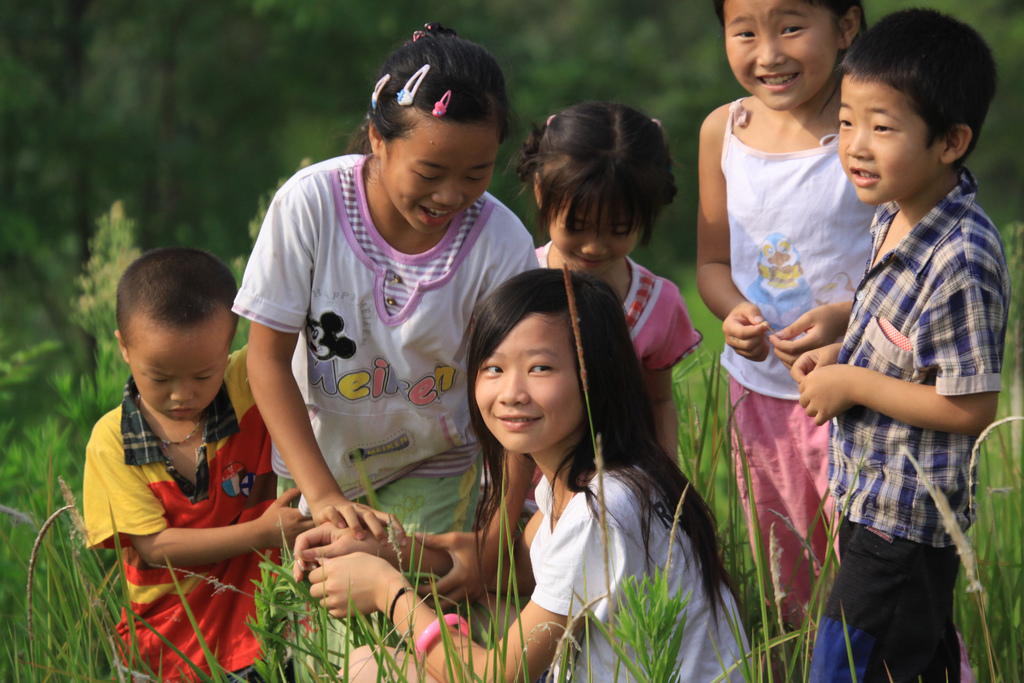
[{"x": 325, "y": 339}]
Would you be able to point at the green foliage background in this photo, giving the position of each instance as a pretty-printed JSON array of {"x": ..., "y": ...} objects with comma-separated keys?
[
  {"x": 183, "y": 114},
  {"x": 188, "y": 111}
]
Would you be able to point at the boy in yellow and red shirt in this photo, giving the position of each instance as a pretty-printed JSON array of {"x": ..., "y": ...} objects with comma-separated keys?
[{"x": 181, "y": 470}]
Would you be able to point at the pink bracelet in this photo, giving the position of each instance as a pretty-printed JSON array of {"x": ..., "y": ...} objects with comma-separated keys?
[{"x": 432, "y": 632}]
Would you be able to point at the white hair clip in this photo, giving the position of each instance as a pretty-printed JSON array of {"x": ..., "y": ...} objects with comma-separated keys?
[
  {"x": 408, "y": 93},
  {"x": 377, "y": 88}
]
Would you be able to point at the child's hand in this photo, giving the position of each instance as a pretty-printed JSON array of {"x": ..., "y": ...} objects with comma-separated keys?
[
  {"x": 354, "y": 583},
  {"x": 343, "y": 513},
  {"x": 746, "y": 331},
  {"x": 326, "y": 541},
  {"x": 813, "y": 359},
  {"x": 823, "y": 393},
  {"x": 463, "y": 580},
  {"x": 283, "y": 523},
  {"x": 819, "y": 326},
  {"x": 824, "y": 385}
]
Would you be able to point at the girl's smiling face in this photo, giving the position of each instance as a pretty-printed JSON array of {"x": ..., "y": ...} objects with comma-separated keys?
[
  {"x": 528, "y": 391},
  {"x": 417, "y": 183},
  {"x": 784, "y": 52}
]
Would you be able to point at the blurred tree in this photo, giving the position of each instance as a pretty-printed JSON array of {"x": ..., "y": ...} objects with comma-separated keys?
[
  {"x": 44, "y": 182},
  {"x": 189, "y": 111}
]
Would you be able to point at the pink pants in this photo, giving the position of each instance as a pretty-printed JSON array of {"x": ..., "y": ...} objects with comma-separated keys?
[{"x": 787, "y": 456}]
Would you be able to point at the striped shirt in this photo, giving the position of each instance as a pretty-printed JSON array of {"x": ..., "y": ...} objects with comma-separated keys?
[
  {"x": 404, "y": 271},
  {"x": 931, "y": 311}
]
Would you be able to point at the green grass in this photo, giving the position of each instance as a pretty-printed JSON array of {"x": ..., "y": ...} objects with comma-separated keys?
[
  {"x": 77, "y": 594},
  {"x": 77, "y": 598}
]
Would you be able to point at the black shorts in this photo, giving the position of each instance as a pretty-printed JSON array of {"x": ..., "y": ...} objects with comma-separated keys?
[{"x": 893, "y": 602}]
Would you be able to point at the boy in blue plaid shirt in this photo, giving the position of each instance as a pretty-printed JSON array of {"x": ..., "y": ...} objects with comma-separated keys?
[{"x": 918, "y": 373}]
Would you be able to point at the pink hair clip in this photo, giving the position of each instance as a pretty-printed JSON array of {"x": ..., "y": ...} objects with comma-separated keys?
[{"x": 441, "y": 106}]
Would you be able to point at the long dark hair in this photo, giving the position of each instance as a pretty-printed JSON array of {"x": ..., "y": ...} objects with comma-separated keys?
[
  {"x": 599, "y": 158},
  {"x": 463, "y": 67},
  {"x": 619, "y": 403}
]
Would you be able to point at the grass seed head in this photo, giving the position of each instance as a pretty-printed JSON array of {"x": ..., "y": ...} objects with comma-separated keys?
[{"x": 574, "y": 318}]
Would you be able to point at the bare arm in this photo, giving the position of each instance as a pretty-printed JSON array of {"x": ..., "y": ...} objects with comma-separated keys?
[
  {"x": 714, "y": 264},
  {"x": 525, "y": 582},
  {"x": 366, "y": 584},
  {"x": 827, "y": 389},
  {"x": 277, "y": 527},
  {"x": 284, "y": 410},
  {"x": 666, "y": 417},
  {"x": 466, "y": 580},
  {"x": 742, "y": 322},
  {"x": 327, "y": 540}
]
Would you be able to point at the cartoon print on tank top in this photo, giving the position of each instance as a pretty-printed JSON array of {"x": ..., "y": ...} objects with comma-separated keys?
[
  {"x": 840, "y": 287},
  {"x": 780, "y": 290}
]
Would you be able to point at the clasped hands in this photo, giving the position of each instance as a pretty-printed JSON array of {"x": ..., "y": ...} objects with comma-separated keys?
[{"x": 807, "y": 347}]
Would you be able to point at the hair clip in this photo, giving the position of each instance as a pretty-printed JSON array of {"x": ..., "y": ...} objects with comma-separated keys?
[
  {"x": 416, "y": 35},
  {"x": 550, "y": 119},
  {"x": 656, "y": 122},
  {"x": 408, "y": 93},
  {"x": 441, "y": 106},
  {"x": 377, "y": 88},
  {"x": 435, "y": 27}
]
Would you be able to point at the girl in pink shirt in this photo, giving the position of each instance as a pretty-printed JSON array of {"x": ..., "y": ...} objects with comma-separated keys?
[{"x": 601, "y": 174}]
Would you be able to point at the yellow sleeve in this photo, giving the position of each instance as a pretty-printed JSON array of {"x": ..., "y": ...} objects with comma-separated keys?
[
  {"x": 115, "y": 493},
  {"x": 236, "y": 379}
]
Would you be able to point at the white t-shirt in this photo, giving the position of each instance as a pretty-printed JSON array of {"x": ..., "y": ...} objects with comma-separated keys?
[
  {"x": 385, "y": 387},
  {"x": 568, "y": 566}
]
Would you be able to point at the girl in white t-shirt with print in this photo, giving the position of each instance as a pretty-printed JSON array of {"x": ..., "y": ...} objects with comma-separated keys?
[
  {"x": 361, "y": 287},
  {"x": 529, "y": 399}
]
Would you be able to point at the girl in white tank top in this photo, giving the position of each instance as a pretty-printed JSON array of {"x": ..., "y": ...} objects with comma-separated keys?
[{"x": 782, "y": 244}]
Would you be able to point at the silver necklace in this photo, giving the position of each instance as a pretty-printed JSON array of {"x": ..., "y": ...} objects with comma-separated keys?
[{"x": 166, "y": 443}]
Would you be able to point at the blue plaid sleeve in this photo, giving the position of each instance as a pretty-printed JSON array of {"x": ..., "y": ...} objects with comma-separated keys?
[{"x": 961, "y": 331}]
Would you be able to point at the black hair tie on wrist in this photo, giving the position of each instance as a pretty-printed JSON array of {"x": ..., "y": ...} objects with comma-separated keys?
[{"x": 391, "y": 612}]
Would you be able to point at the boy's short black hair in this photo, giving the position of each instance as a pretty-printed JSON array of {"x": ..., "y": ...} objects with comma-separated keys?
[
  {"x": 178, "y": 287},
  {"x": 942, "y": 65}
]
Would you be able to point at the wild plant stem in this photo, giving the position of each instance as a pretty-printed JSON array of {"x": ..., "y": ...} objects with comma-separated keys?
[
  {"x": 675, "y": 528},
  {"x": 603, "y": 522},
  {"x": 32, "y": 562},
  {"x": 596, "y": 438},
  {"x": 963, "y": 546}
]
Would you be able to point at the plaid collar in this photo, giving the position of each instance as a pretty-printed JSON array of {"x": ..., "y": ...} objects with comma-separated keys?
[
  {"x": 142, "y": 446},
  {"x": 916, "y": 248}
]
